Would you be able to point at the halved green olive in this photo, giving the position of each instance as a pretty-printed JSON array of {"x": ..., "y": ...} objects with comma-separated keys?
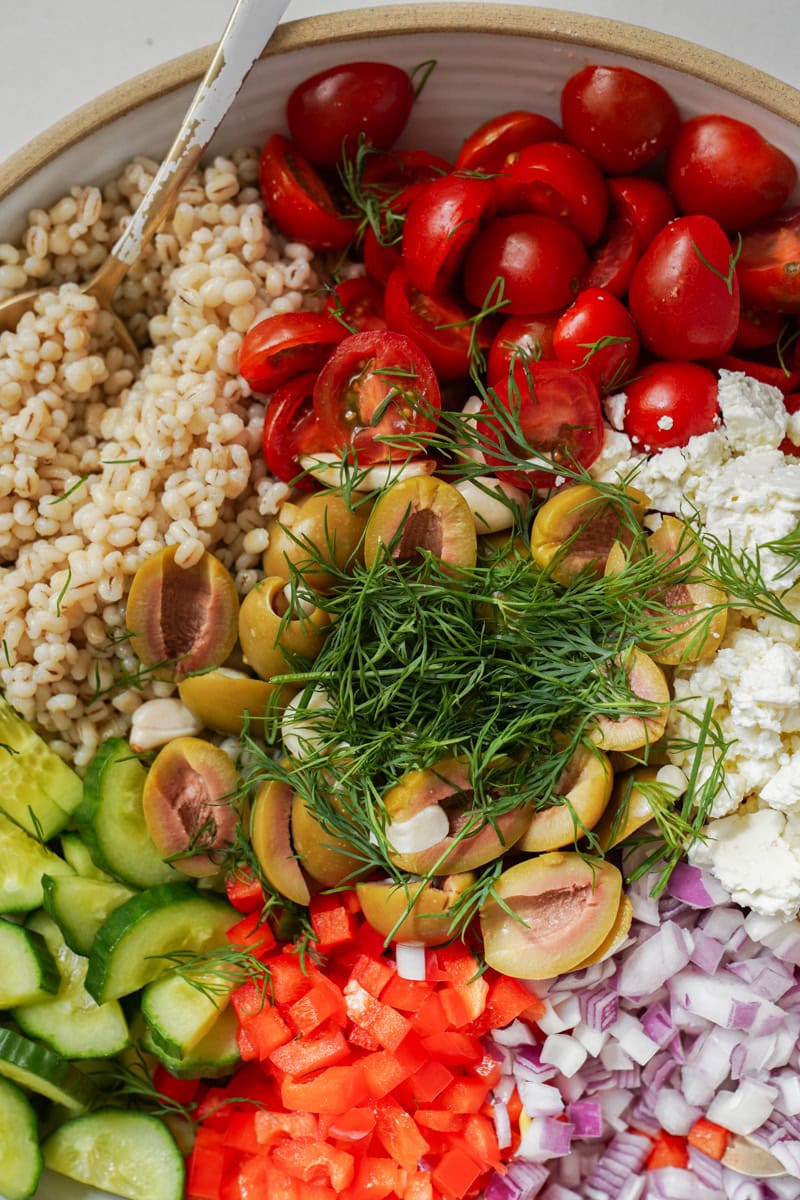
[
  {"x": 648, "y": 682},
  {"x": 317, "y": 531},
  {"x": 230, "y": 701},
  {"x": 422, "y": 513},
  {"x": 182, "y": 619},
  {"x": 585, "y": 784},
  {"x": 270, "y": 837},
  {"x": 615, "y": 936},
  {"x": 271, "y": 638},
  {"x": 575, "y": 529},
  {"x": 414, "y": 911},
  {"x": 326, "y": 858},
  {"x": 629, "y": 808}
]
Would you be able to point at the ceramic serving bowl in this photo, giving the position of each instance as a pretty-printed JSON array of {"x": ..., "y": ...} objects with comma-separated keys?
[{"x": 490, "y": 58}]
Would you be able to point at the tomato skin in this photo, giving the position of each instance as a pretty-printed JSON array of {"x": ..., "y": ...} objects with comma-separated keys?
[
  {"x": 327, "y": 112},
  {"x": 559, "y": 180},
  {"x": 489, "y": 146},
  {"x": 355, "y": 384},
  {"x": 685, "y": 307},
  {"x": 438, "y": 324},
  {"x": 290, "y": 430},
  {"x": 597, "y": 315},
  {"x": 298, "y": 201},
  {"x": 559, "y": 413},
  {"x": 357, "y": 303},
  {"x": 682, "y": 396},
  {"x": 540, "y": 259},
  {"x": 392, "y": 172},
  {"x": 614, "y": 257},
  {"x": 773, "y": 374},
  {"x": 280, "y": 347},
  {"x": 619, "y": 117},
  {"x": 768, "y": 268},
  {"x": 725, "y": 168},
  {"x": 442, "y": 219},
  {"x": 529, "y": 338},
  {"x": 757, "y": 329},
  {"x": 643, "y": 201}
]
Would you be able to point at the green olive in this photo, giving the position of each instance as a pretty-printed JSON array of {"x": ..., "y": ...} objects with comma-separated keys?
[
  {"x": 415, "y": 911},
  {"x": 326, "y": 858},
  {"x": 320, "y": 529},
  {"x": 270, "y": 642},
  {"x": 422, "y": 513},
  {"x": 230, "y": 701},
  {"x": 585, "y": 783}
]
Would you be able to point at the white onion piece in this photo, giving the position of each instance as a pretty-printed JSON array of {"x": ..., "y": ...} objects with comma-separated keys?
[
  {"x": 327, "y": 468},
  {"x": 674, "y": 1113},
  {"x": 484, "y": 495},
  {"x": 651, "y": 963},
  {"x": 744, "y": 1110},
  {"x": 502, "y": 1123},
  {"x": 515, "y": 1034},
  {"x": 409, "y": 958},
  {"x": 425, "y": 829},
  {"x": 540, "y": 1099},
  {"x": 564, "y": 1052}
]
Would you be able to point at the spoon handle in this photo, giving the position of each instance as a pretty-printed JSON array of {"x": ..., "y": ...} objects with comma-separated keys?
[{"x": 249, "y": 28}]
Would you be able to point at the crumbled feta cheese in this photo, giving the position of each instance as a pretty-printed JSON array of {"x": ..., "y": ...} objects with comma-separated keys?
[
  {"x": 753, "y": 413},
  {"x": 793, "y": 428},
  {"x": 665, "y": 423},
  {"x": 615, "y": 410},
  {"x": 782, "y": 791},
  {"x": 756, "y": 857}
]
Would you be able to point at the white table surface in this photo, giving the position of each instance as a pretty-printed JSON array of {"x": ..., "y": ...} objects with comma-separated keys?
[{"x": 55, "y": 56}]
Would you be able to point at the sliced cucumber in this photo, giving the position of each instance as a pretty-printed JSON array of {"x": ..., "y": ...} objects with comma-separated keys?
[
  {"x": 21, "y": 1159},
  {"x": 80, "y": 906},
  {"x": 79, "y": 857},
  {"x": 71, "y": 1023},
  {"x": 216, "y": 1055},
  {"x": 38, "y": 789},
  {"x": 111, "y": 819},
  {"x": 41, "y": 1070},
  {"x": 23, "y": 862},
  {"x": 29, "y": 970},
  {"x": 133, "y": 946},
  {"x": 129, "y": 1153},
  {"x": 179, "y": 1014}
]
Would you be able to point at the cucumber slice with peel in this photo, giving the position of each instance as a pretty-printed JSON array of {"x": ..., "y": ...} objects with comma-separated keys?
[
  {"x": 38, "y": 789},
  {"x": 29, "y": 972},
  {"x": 80, "y": 906},
  {"x": 23, "y": 862},
  {"x": 41, "y": 1070},
  {"x": 78, "y": 855},
  {"x": 180, "y": 1014},
  {"x": 20, "y": 1155},
  {"x": 128, "y": 1153},
  {"x": 214, "y": 1057}
]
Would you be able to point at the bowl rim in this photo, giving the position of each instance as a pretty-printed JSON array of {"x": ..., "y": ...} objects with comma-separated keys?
[{"x": 555, "y": 25}]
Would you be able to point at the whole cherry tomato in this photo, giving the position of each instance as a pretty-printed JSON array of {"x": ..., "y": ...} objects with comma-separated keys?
[
  {"x": 440, "y": 325},
  {"x": 614, "y": 256},
  {"x": 525, "y": 339},
  {"x": 560, "y": 180},
  {"x": 757, "y": 329},
  {"x": 282, "y": 346},
  {"x": 392, "y": 172},
  {"x": 376, "y": 384},
  {"x": 328, "y": 112},
  {"x": 684, "y": 294},
  {"x": 727, "y": 170},
  {"x": 768, "y": 268},
  {"x": 598, "y": 334},
  {"x": 643, "y": 201},
  {"x": 619, "y": 117},
  {"x": 290, "y": 429},
  {"x": 771, "y": 373},
  {"x": 357, "y": 303},
  {"x": 488, "y": 148},
  {"x": 670, "y": 402},
  {"x": 298, "y": 201},
  {"x": 554, "y": 411},
  {"x": 540, "y": 261},
  {"x": 441, "y": 221}
]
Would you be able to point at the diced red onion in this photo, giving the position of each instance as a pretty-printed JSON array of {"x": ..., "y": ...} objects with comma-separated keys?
[
  {"x": 698, "y": 889},
  {"x": 563, "y": 1052},
  {"x": 540, "y": 1099},
  {"x": 528, "y": 1064},
  {"x": 788, "y": 1153},
  {"x": 586, "y": 1117},
  {"x": 599, "y": 1008},
  {"x": 657, "y": 1024},
  {"x": 745, "y": 1109},
  {"x": 674, "y": 1113},
  {"x": 708, "y": 1170},
  {"x": 522, "y": 1181},
  {"x": 502, "y": 1123},
  {"x": 557, "y": 1192},
  {"x": 633, "y": 1040},
  {"x": 788, "y": 1085},
  {"x": 672, "y": 1183},
  {"x": 545, "y": 1138},
  {"x": 707, "y": 953},
  {"x": 655, "y": 960},
  {"x": 516, "y": 1034},
  {"x": 591, "y": 1039}
]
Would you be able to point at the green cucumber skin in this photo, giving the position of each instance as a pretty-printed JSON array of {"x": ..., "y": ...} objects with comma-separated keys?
[
  {"x": 115, "y": 1149},
  {"x": 214, "y": 1057},
  {"x": 75, "y": 850},
  {"x": 21, "y": 1159},
  {"x": 73, "y": 903},
  {"x": 23, "y": 862},
  {"x": 35, "y": 1067},
  {"x": 26, "y": 959}
]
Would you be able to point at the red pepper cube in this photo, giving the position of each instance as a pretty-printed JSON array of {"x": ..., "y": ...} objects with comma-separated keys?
[
  {"x": 430, "y": 1080},
  {"x": 419, "y": 1186},
  {"x": 271, "y": 1128},
  {"x": 244, "y": 890},
  {"x": 488, "y": 1069},
  {"x": 363, "y": 1039},
  {"x": 288, "y": 979},
  {"x": 430, "y": 1016},
  {"x": 398, "y": 1134},
  {"x": 182, "y": 1090},
  {"x": 456, "y": 963},
  {"x": 480, "y": 1140},
  {"x": 439, "y": 1120},
  {"x": 251, "y": 1177},
  {"x": 464, "y": 1095},
  {"x": 389, "y": 1027},
  {"x": 455, "y": 1173},
  {"x": 334, "y": 1090},
  {"x": 411, "y": 1053},
  {"x": 205, "y": 1165},
  {"x": 302, "y": 1055},
  {"x": 379, "y": 1178},
  {"x": 507, "y": 1000},
  {"x": 214, "y": 1110},
  {"x": 274, "y": 1183},
  {"x": 251, "y": 1081},
  {"x": 267, "y": 1030},
  {"x": 669, "y": 1150},
  {"x": 452, "y": 1047},
  {"x": 382, "y": 1072},
  {"x": 373, "y": 974},
  {"x": 323, "y": 1002},
  {"x": 362, "y": 1008},
  {"x": 333, "y": 927},
  {"x": 241, "y": 1132},
  {"x": 315, "y": 1162},
  {"x": 252, "y": 933},
  {"x": 250, "y": 999},
  {"x": 353, "y": 1126},
  {"x": 406, "y": 994}
]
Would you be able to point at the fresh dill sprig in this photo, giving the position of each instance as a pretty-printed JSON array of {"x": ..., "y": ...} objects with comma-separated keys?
[{"x": 215, "y": 973}]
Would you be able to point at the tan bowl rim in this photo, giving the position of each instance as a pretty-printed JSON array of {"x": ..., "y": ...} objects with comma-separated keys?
[{"x": 545, "y": 24}]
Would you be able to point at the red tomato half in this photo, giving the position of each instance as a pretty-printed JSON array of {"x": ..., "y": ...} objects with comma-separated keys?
[
  {"x": 442, "y": 219},
  {"x": 769, "y": 264},
  {"x": 521, "y": 338},
  {"x": 669, "y": 403},
  {"x": 684, "y": 295},
  {"x": 440, "y": 325},
  {"x": 622, "y": 118},
  {"x": 727, "y": 170},
  {"x": 615, "y": 256},
  {"x": 357, "y": 303},
  {"x": 643, "y": 201},
  {"x": 557, "y": 411},
  {"x": 328, "y": 112},
  {"x": 540, "y": 260},
  {"x": 488, "y": 148},
  {"x": 560, "y": 180},
  {"x": 757, "y": 329},
  {"x": 390, "y": 173},
  {"x": 298, "y": 201},
  {"x": 376, "y": 384},
  {"x": 290, "y": 429},
  {"x": 282, "y": 346},
  {"x": 771, "y": 373},
  {"x": 598, "y": 334}
]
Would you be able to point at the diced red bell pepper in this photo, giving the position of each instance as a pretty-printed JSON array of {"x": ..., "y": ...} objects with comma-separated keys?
[
  {"x": 419, "y": 1187},
  {"x": 708, "y": 1137},
  {"x": 669, "y": 1150},
  {"x": 455, "y": 1173},
  {"x": 377, "y": 1178},
  {"x": 456, "y": 964},
  {"x": 430, "y": 1080},
  {"x": 450, "y": 1046},
  {"x": 250, "y": 999},
  {"x": 405, "y": 994},
  {"x": 390, "y": 1027},
  {"x": 244, "y": 890},
  {"x": 363, "y": 1039},
  {"x": 214, "y": 1109},
  {"x": 439, "y": 1120},
  {"x": 181, "y": 1090},
  {"x": 480, "y": 1140},
  {"x": 400, "y": 1137},
  {"x": 289, "y": 980},
  {"x": 507, "y": 1000},
  {"x": 430, "y": 1017},
  {"x": 315, "y": 1162},
  {"x": 241, "y": 1132},
  {"x": 333, "y": 926},
  {"x": 252, "y": 933},
  {"x": 266, "y": 1030},
  {"x": 373, "y": 974},
  {"x": 464, "y": 1095},
  {"x": 334, "y": 1090},
  {"x": 411, "y": 1053},
  {"x": 352, "y": 1126},
  {"x": 322, "y": 1002},
  {"x": 271, "y": 1128},
  {"x": 464, "y": 1002},
  {"x": 252, "y": 1176},
  {"x": 383, "y": 1073},
  {"x": 302, "y": 1055},
  {"x": 205, "y": 1165}
]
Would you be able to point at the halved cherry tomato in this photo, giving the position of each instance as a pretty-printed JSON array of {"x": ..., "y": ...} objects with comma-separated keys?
[
  {"x": 643, "y": 201},
  {"x": 357, "y": 303},
  {"x": 488, "y": 148},
  {"x": 290, "y": 429},
  {"x": 376, "y": 384},
  {"x": 442, "y": 219},
  {"x": 772, "y": 374},
  {"x": 285, "y": 345},
  {"x": 440, "y": 325},
  {"x": 727, "y": 170},
  {"x": 684, "y": 294},
  {"x": 556, "y": 411},
  {"x": 598, "y": 334},
  {"x": 521, "y": 338},
  {"x": 557, "y": 179},
  {"x": 757, "y": 329},
  {"x": 615, "y": 256},
  {"x": 327, "y": 112},
  {"x": 298, "y": 201},
  {"x": 768, "y": 267},
  {"x": 670, "y": 402},
  {"x": 383, "y": 254},
  {"x": 619, "y": 117},
  {"x": 398, "y": 169},
  {"x": 539, "y": 259}
]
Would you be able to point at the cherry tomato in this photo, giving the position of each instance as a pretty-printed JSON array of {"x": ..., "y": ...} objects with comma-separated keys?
[
  {"x": 282, "y": 346},
  {"x": 442, "y": 219},
  {"x": 540, "y": 260},
  {"x": 383, "y": 254},
  {"x": 619, "y": 117},
  {"x": 440, "y": 325},
  {"x": 727, "y": 170},
  {"x": 557, "y": 179},
  {"x": 298, "y": 201},
  {"x": 768, "y": 268},
  {"x": 684, "y": 295},
  {"x": 643, "y": 201},
  {"x": 765, "y": 372},
  {"x": 390, "y": 173},
  {"x": 558, "y": 414},
  {"x": 525, "y": 338},
  {"x": 357, "y": 303},
  {"x": 488, "y": 148},
  {"x": 598, "y": 334},
  {"x": 615, "y": 256},
  {"x": 376, "y": 384},
  {"x": 290, "y": 429},
  {"x": 757, "y": 329},
  {"x": 328, "y": 112},
  {"x": 670, "y": 402}
]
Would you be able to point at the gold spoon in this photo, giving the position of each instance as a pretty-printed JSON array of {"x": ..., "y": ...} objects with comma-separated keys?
[
  {"x": 249, "y": 28},
  {"x": 746, "y": 1157}
]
